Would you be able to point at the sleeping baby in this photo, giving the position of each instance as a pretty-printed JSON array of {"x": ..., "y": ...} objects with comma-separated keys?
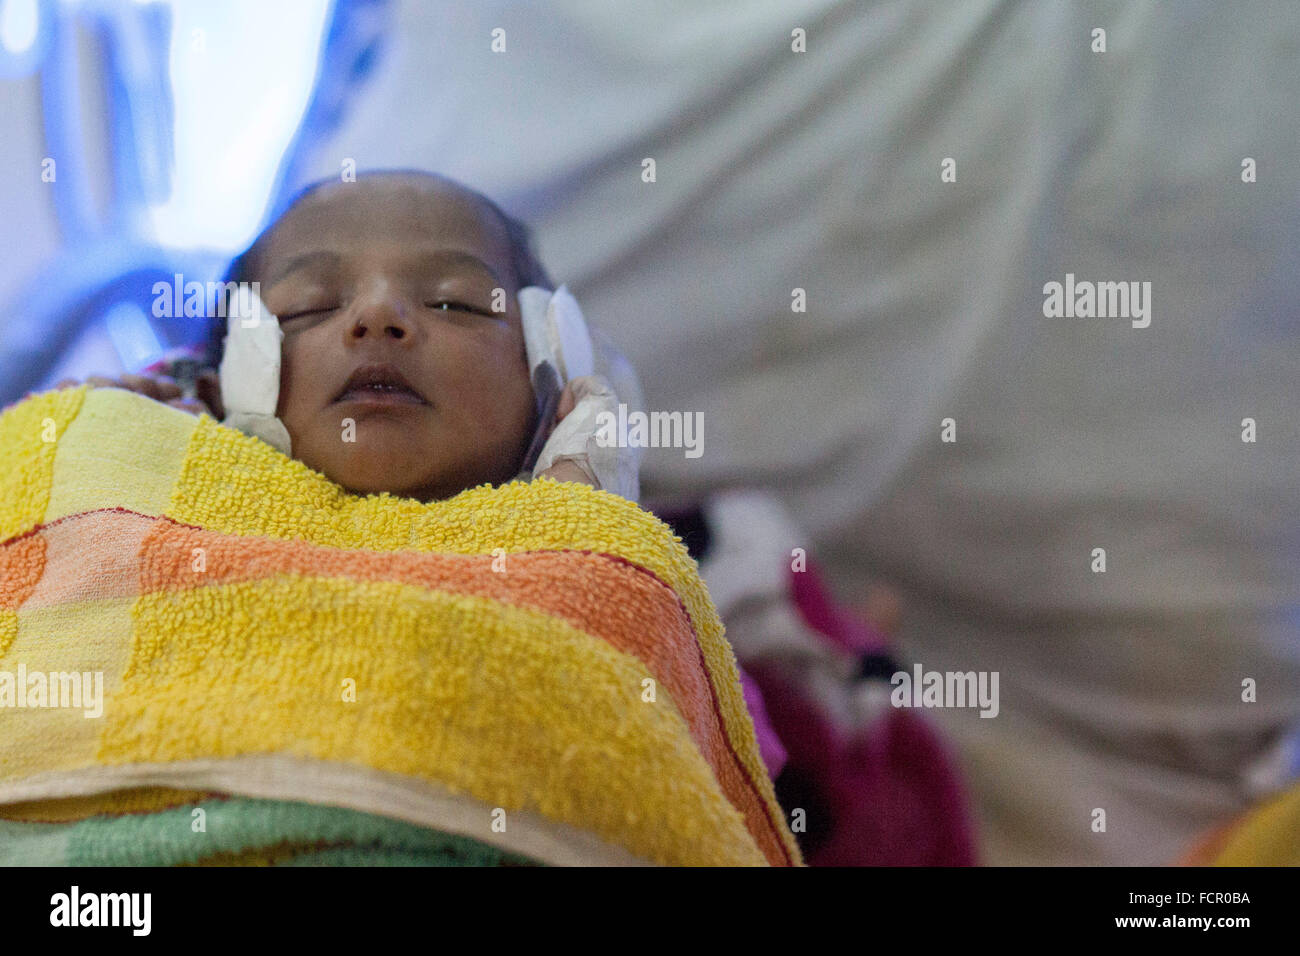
[
  {"x": 403, "y": 366},
  {"x": 400, "y": 356}
]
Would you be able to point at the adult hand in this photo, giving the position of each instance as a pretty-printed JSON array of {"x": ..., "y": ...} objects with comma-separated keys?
[{"x": 162, "y": 388}]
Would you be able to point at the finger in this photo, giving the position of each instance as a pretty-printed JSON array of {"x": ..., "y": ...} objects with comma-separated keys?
[
  {"x": 883, "y": 607},
  {"x": 568, "y": 471},
  {"x": 67, "y": 383},
  {"x": 191, "y": 405},
  {"x": 99, "y": 381},
  {"x": 152, "y": 387},
  {"x": 583, "y": 386},
  {"x": 208, "y": 388},
  {"x": 166, "y": 387},
  {"x": 568, "y": 401},
  {"x": 139, "y": 384}
]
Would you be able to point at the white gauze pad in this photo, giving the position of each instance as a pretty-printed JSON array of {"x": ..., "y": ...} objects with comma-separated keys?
[
  {"x": 250, "y": 370},
  {"x": 555, "y": 334}
]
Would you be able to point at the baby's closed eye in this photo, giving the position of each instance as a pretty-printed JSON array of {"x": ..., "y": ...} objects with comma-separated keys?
[
  {"x": 454, "y": 305},
  {"x": 439, "y": 305},
  {"x": 292, "y": 314}
]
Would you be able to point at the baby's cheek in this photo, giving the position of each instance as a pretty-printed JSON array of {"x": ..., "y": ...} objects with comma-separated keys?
[
  {"x": 303, "y": 379},
  {"x": 502, "y": 415},
  {"x": 315, "y": 434},
  {"x": 289, "y": 364},
  {"x": 513, "y": 404}
]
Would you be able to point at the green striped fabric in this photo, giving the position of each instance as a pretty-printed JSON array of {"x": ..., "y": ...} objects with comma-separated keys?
[{"x": 297, "y": 834}]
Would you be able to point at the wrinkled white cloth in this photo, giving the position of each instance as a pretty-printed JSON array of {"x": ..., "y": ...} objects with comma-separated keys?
[{"x": 821, "y": 170}]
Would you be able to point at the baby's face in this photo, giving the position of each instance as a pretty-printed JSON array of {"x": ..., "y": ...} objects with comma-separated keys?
[{"x": 384, "y": 291}]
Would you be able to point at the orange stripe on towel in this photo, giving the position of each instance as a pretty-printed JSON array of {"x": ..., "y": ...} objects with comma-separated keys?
[
  {"x": 127, "y": 553},
  {"x": 176, "y": 557},
  {"x": 22, "y": 564},
  {"x": 92, "y": 556}
]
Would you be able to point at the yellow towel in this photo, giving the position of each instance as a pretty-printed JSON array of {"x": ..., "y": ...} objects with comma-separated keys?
[{"x": 535, "y": 666}]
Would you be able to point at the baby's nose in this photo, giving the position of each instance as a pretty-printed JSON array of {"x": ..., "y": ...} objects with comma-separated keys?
[{"x": 383, "y": 316}]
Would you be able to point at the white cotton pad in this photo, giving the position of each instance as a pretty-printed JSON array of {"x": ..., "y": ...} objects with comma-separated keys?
[
  {"x": 559, "y": 349},
  {"x": 250, "y": 370},
  {"x": 555, "y": 332},
  {"x": 567, "y": 333},
  {"x": 533, "y": 306}
]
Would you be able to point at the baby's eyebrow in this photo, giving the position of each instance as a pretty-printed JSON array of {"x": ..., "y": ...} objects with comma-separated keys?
[
  {"x": 323, "y": 258},
  {"x": 457, "y": 258}
]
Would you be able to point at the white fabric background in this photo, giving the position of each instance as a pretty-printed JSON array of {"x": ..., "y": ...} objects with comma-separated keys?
[{"x": 821, "y": 170}]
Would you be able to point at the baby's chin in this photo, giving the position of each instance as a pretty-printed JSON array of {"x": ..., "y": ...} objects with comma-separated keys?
[
  {"x": 389, "y": 453},
  {"x": 393, "y": 464},
  {"x": 423, "y": 486}
]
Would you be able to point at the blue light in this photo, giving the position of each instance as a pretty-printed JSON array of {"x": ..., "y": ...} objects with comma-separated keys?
[
  {"x": 132, "y": 336},
  {"x": 241, "y": 78},
  {"x": 210, "y": 110},
  {"x": 24, "y": 36},
  {"x": 19, "y": 23}
]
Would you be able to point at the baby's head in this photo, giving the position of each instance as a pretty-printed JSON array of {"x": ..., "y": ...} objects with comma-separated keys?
[{"x": 393, "y": 277}]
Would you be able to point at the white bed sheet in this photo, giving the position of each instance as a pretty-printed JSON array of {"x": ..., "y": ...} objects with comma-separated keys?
[{"x": 820, "y": 170}]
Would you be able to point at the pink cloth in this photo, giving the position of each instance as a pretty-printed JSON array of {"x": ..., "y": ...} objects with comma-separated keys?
[
  {"x": 769, "y": 744},
  {"x": 884, "y": 794},
  {"x": 837, "y": 624}
]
